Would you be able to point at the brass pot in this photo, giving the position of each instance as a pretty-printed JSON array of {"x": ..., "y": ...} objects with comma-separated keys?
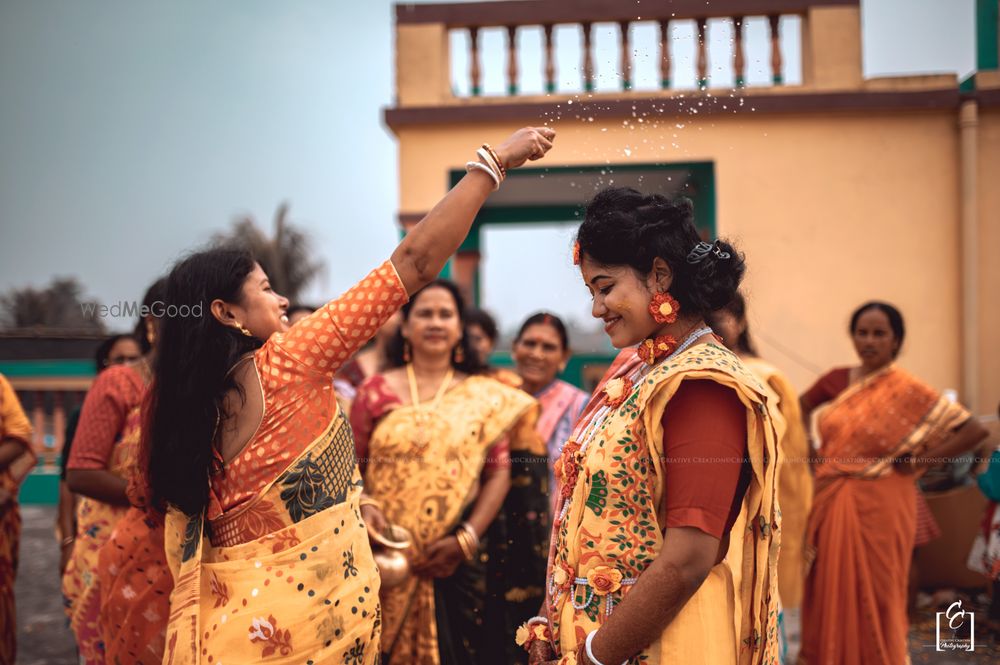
[{"x": 389, "y": 549}]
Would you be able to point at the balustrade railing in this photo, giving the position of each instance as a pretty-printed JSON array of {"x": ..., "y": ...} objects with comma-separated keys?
[{"x": 775, "y": 41}]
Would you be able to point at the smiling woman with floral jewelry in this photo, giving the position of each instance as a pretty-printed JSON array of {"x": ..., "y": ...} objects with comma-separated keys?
[
  {"x": 265, "y": 532},
  {"x": 682, "y": 448},
  {"x": 434, "y": 436}
]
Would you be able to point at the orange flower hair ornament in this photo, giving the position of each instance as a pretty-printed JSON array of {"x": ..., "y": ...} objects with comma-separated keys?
[{"x": 664, "y": 308}]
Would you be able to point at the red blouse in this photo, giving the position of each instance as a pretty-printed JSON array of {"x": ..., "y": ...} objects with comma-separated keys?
[
  {"x": 114, "y": 393},
  {"x": 705, "y": 449},
  {"x": 828, "y": 386}
]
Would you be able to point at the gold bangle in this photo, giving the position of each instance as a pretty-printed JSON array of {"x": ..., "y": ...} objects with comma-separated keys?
[
  {"x": 368, "y": 501},
  {"x": 471, "y": 531},
  {"x": 465, "y": 545},
  {"x": 496, "y": 158}
]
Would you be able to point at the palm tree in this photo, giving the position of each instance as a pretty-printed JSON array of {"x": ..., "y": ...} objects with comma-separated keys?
[
  {"x": 286, "y": 257},
  {"x": 59, "y": 306}
]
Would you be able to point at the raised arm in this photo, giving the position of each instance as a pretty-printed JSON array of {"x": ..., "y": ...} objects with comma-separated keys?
[{"x": 423, "y": 252}]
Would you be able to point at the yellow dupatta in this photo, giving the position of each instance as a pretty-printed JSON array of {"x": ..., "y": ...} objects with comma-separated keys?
[
  {"x": 305, "y": 591},
  {"x": 795, "y": 481},
  {"x": 425, "y": 489},
  {"x": 610, "y": 526}
]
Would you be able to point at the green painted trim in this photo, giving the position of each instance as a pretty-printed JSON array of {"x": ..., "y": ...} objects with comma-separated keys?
[
  {"x": 446, "y": 271},
  {"x": 588, "y": 86},
  {"x": 476, "y": 91},
  {"x": 665, "y": 84},
  {"x": 43, "y": 368},
  {"x": 626, "y": 85},
  {"x": 550, "y": 87},
  {"x": 704, "y": 200},
  {"x": 777, "y": 79},
  {"x": 512, "y": 89},
  {"x": 40, "y": 487},
  {"x": 968, "y": 84},
  {"x": 987, "y": 40}
]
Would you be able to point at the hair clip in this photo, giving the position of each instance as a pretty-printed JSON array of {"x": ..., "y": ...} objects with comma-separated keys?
[{"x": 703, "y": 249}]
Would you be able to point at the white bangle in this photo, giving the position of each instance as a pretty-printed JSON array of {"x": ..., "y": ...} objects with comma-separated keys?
[
  {"x": 487, "y": 159},
  {"x": 533, "y": 620},
  {"x": 479, "y": 166},
  {"x": 590, "y": 652}
]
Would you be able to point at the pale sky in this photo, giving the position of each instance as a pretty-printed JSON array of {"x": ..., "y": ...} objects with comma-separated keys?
[{"x": 132, "y": 130}]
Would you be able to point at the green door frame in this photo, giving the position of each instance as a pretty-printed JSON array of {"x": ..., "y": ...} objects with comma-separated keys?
[{"x": 702, "y": 194}]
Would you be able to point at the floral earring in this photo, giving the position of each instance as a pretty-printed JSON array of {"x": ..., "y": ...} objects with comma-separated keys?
[{"x": 664, "y": 307}]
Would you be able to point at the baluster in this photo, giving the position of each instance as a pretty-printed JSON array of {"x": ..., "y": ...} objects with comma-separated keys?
[
  {"x": 702, "y": 55},
  {"x": 550, "y": 62},
  {"x": 38, "y": 420},
  {"x": 59, "y": 419},
  {"x": 511, "y": 59},
  {"x": 626, "y": 57},
  {"x": 588, "y": 60},
  {"x": 665, "y": 53},
  {"x": 739, "y": 57},
  {"x": 775, "y": 50},
  {"x": 474, "y": 61}
]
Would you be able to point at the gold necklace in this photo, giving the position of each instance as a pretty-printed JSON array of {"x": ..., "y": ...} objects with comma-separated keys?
[{"x": 422, "y": 440}]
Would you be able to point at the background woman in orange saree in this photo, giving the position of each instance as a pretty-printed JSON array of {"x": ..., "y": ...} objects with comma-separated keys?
[
  {"x": 253, "y": 459},
  {"x": 133, "y": 582},
  {"x": 15, "y": 443},
  {"x": 874, "y": 439},
  {"x": 430, "y": 434},
  {"x": 104, "y": 451}
]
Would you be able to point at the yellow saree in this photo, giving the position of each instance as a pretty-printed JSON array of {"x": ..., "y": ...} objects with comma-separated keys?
[
  {"x": 426, "y": 488},
  {"x": 96, "y": 521},
  {"x": 609, "y": 525},
  {"x": 305, "y": 592}
]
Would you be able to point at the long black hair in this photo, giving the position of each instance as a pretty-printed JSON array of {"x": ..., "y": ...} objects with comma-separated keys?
[
  {"x": 194, "y": 355},
  {"x": 895, "y": 321},
  {"x": 622, "y": 226},
  {"x": 469, "y": 364},
  {"x": 152, "y": 302}
]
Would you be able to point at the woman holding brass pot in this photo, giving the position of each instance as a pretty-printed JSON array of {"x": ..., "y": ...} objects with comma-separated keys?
[{"x": 433, "y": 440}]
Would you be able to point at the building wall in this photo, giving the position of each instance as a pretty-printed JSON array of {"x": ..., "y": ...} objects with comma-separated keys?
[
  {"x": 989, "y": 266},
  {"x": 832, "y": 209}
]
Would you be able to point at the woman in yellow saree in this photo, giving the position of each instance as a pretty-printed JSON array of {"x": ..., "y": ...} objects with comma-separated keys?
[
  {"x": 254, "y": 460},
  {"x": 881, "y": 429},
  {"x": 430, "y": 435},
  {"x": 15, "y": 444},
  {"x": 673, "y": 474},
  {"x": 795, "y": 482}
]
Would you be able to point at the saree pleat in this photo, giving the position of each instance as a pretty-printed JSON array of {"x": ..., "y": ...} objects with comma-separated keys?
[{"x": 862, "y": 526}]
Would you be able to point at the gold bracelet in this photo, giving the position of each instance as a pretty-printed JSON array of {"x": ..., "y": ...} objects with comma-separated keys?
[
  {"x": 368, "y": 501},
  {"x": 496, "y": 158},
  {"x": 471, "y": 531},
  {"x": 463, "y": 541}
]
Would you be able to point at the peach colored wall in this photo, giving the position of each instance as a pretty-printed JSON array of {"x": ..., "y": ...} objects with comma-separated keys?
[
  {"x": 831, "y": 210},
  {"x": 989, "y": 288}
]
